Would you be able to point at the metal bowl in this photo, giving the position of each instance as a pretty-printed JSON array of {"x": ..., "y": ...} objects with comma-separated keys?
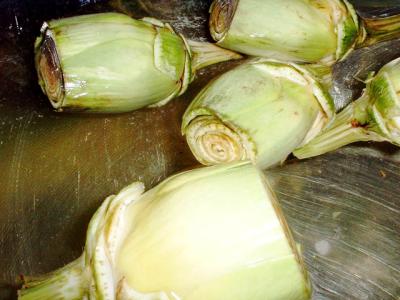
[{"x": 343, "y": 207}]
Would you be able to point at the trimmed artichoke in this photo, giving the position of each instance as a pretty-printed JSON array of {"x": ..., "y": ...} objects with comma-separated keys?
[
  {"x": 375, "y": 116},
  {"x": 312, "y": 31},
  {"x": 110, "y": 62},
  {"x": 212, "y": 233},
  {"x": 261, "y": 110}
]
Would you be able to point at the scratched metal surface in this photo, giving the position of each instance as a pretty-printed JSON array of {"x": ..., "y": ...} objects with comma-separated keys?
[{"x": 343, "y": 207}]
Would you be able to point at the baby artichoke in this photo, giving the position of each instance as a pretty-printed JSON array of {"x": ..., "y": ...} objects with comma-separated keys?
[
  {"x": 110, "y": 62},
  {"x": 261, "y": 110},
  {"x": 311, "y": 31}
]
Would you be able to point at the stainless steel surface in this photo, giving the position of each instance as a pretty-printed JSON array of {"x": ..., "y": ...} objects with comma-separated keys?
[
  {"x": 344, "y": 207},
  {"x": 350, "y": 75},
  {"x": 374, "y": 8}
]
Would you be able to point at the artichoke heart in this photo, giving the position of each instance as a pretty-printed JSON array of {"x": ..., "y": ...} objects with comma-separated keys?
[
  {"x": 110, "y": 62},
  {"x": 211, "y": 233},
  {"x": 261, "y": 110}
]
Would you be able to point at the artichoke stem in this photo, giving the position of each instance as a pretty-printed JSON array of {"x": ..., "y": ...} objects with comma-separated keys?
[
  {"x": 68, "y": 282},
  {"x": 381, "y": 29},
  {"x": 349, "y": 126},
  {"x": 205, "y": 54}
]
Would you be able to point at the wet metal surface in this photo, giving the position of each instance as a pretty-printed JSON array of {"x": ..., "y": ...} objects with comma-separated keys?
[
  {"x": 343, "y": 207},
  {"x": 350, "y": 75},
  {"x": 377, "y": 8}
]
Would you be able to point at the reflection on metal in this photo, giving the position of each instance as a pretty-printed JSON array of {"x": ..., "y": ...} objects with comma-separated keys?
[
  {"x": 350, "y": 74},
  {"x": 344, "y": 207},
  {"x": 377, "y": 8}
]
